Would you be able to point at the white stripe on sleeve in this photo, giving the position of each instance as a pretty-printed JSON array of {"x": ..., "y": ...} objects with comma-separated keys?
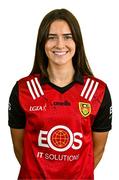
[
  {"x": 89, "y": 89},
  {"x": 94, "y": 90},
  {"x": 35, "y": 89},
  {"x": 39, "y": 86},
  {"x": 85, "y": 87},
  {"x": 30, "y": 89}
]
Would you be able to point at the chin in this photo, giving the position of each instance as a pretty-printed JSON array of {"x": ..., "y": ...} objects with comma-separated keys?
[{"x": 62, "y": 63}]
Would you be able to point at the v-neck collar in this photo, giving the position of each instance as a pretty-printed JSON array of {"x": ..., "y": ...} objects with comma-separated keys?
[
  {"x": 61, "y": 89},
  {"x": 77, "y": 79}
]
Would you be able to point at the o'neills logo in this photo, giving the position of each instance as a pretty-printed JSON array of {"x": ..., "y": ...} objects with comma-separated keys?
[
  {"x": 60, "y": 138},
  {"x": 61, "y": 103}
]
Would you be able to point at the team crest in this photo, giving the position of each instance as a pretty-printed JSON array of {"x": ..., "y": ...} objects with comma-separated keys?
[{"x": 85, "y": 108}]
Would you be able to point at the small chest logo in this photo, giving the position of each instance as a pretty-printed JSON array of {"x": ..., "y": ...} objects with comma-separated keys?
[
  {"x": 38, "y": 108},
  {"x": 85, "y": 108}
]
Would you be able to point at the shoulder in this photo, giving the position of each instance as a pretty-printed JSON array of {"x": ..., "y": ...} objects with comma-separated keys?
[
  {"x": 94, "y": 80},
  {"x": 30, "y": 85},
  {"x": 93, "y": 87},
  {"x": 28, "y": 78}
]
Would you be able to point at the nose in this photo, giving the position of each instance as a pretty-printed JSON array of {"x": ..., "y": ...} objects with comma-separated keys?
[{"x": 60, "y": 43}]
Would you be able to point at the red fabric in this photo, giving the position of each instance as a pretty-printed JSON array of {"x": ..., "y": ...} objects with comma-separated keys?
[{"x": 58, "y": 138}]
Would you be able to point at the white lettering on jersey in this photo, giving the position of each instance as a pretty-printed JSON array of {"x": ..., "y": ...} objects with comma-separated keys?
[
  {"x": 79, "y": 141},
  {"x": 111, "y": 110},
  {"x": 60, "y": 138},
  {"x": 39, "y": 154},
  {"x": 9, "y": 106},
  {"x": 42, "y": 138},
  {"x": 38, "y": 108},
  {"x": 58, "y": 157},
  {"x": 62, "y": 157}
]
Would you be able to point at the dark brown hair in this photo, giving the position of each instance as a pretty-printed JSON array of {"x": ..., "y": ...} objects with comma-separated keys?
[{"x": 80, "y": 61}]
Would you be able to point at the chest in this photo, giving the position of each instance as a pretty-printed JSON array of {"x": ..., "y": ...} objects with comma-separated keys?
[{"x": 55, "y": 108}]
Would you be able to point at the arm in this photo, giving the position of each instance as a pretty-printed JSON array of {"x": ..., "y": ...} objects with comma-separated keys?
[
  {"x": 16, "y": 122},
  {"x": 17, "y": 139},
  {"x": 101, "y": 127},
  {"x": 99, "y": 142}
]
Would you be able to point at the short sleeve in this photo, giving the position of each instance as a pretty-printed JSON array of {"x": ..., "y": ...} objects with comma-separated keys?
[
  {"x": 103, "y": 120},
  {"x": 16, "y": 115}
]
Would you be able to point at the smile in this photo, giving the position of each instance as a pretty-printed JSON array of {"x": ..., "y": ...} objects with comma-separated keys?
[{"x": 60, "y": 53}]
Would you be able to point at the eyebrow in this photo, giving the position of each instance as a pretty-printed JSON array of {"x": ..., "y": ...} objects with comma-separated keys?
[{"x": 65, "y": 34}]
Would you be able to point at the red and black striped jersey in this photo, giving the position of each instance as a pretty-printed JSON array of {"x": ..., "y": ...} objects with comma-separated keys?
[{"x": 58, "y": 125}]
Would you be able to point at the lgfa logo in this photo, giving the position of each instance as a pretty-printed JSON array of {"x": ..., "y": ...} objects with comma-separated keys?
[{"x": 60, "y": 138}]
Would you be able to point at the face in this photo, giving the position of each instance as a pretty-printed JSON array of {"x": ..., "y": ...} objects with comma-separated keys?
[{"x": 60, "y": 46}]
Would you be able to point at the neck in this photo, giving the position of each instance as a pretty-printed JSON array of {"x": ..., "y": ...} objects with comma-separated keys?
[{"x": 61, "y": 76}]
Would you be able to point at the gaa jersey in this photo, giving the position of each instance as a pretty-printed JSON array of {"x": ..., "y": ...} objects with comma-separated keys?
[{"x": 58, "y": 125}]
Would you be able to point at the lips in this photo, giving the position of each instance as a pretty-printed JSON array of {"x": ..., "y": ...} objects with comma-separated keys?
[{"x": 60, "y": 53}]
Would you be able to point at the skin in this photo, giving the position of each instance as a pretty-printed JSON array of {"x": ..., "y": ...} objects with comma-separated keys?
[
  {"x": 99, "y": 142},
  {"x": 17, "y": 139},
  {"x": 60, "y": 48}
]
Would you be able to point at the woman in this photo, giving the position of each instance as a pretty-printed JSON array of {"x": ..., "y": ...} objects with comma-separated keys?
[{"x": 60, "y": 114}]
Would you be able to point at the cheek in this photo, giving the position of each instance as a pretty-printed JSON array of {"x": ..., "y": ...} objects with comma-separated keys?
[
  {"x": 47, "y": 48},
  {"x": 72, "y": 46}
]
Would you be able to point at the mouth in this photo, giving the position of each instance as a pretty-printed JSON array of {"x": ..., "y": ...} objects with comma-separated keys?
[{"x": 60, "y": 53}]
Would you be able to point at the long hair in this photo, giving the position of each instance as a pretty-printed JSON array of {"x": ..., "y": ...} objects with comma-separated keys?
[{"x": 80, "y": 61}]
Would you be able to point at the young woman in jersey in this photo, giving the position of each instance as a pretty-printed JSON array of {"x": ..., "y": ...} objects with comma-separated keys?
[{"x": 60, "y": 114}]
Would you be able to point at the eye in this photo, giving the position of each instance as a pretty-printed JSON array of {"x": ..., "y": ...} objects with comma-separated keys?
[
  {"x": 66, "y": 37},
  {"x": 50, "y": 37}
]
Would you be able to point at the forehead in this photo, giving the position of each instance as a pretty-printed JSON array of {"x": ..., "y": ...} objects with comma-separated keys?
[{"x": 59, "y": 26}]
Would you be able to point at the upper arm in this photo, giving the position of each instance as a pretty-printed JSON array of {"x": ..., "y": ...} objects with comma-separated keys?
[
  {"x": 17, "y": 121},
  {"x": 100, "y": 139},
  {"x": 102, "y": 123},
  {"x": 99, "y": 142},
  {"x": 17, "y": 137}
]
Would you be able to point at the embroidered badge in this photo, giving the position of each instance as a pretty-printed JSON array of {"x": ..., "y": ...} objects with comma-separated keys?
[{"x": 85, "y": 108}]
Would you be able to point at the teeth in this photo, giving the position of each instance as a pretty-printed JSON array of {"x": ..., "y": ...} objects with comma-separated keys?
[{"x": 59, "y": 53}]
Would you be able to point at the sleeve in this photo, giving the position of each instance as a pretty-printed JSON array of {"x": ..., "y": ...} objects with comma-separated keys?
[
  {"x": 16, "y": 115},
  {"x": 103, "y": 120}
]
